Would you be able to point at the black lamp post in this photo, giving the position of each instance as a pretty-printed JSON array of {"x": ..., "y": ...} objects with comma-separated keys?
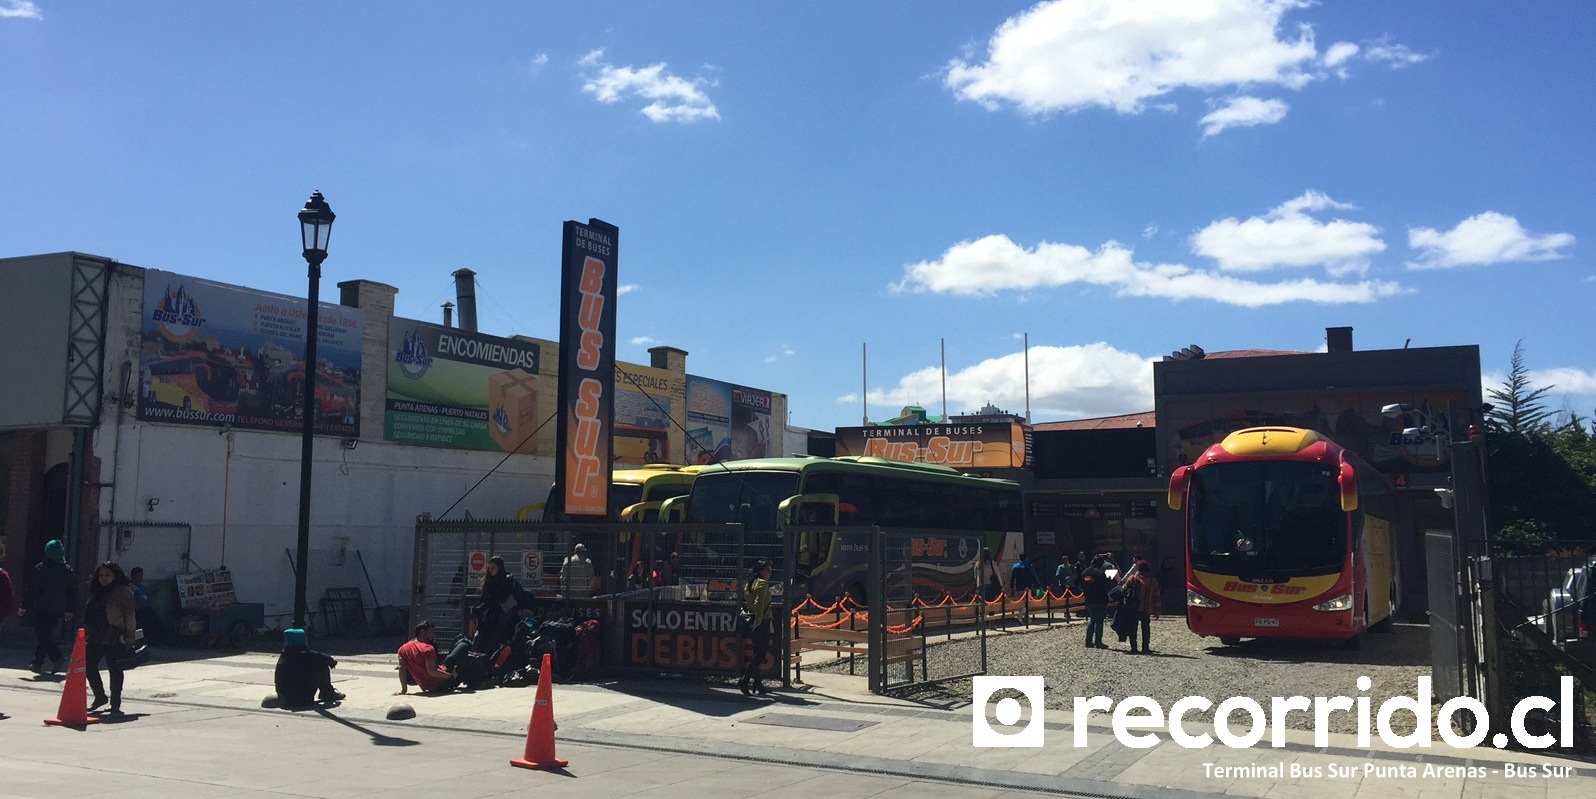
[{"x": 315, "y": 224}]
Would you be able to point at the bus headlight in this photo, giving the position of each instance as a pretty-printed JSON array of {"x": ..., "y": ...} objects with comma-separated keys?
[
  {"x": 1197, "y": 600},
  {"x": 1343, "y": 602}
]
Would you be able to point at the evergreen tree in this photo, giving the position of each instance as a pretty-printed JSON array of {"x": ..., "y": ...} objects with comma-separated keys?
[{"x": 1519, "y": 407}]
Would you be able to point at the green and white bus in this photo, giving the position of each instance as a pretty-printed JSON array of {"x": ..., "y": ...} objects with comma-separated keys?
[{"x": 770, "y": 495}]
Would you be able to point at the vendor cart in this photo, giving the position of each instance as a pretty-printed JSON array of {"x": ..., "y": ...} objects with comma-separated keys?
[{"x": 212, "y": 612}]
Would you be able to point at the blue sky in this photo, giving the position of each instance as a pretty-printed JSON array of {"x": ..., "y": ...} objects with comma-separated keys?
[{"x": 1115, "y": 180}]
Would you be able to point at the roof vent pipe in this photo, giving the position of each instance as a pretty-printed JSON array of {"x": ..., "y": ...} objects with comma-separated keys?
[
  {"x": 465, "y": 291},
  {"x": 448, "y": 314}
]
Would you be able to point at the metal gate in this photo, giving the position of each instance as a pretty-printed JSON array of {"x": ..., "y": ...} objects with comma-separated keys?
[
  {"x": 1451, "y": 647},
  {"x": 687, "y": 624},
  {"x": 917, "y": 576}
]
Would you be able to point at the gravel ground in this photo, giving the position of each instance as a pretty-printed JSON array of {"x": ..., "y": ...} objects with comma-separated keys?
[{"x": 1184, "y": 664}]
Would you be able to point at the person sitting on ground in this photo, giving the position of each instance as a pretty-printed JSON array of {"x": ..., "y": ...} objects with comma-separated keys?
[
  {"x": 303, "y": 675},
  {"x": 418, "y": 664}
]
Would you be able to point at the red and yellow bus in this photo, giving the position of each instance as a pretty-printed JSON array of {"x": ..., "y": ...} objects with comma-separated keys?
[{"x": 1283, "y": 539}]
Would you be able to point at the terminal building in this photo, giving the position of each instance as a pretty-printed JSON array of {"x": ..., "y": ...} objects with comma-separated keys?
[{"x": 153, "y": 419}]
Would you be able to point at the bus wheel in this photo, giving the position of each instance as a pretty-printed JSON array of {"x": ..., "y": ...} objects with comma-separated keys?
[
  {"x": 1355, "y": 643},
  {"x": 1230, "y": 640}
]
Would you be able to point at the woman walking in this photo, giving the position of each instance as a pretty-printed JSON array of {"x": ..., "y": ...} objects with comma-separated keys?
[
  {"x": 758, "y": 598},
  {"x": 109, "y": 621}
]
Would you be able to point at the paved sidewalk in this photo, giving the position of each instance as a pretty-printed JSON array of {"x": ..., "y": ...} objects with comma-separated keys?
[{"x": 830, "y": 729}]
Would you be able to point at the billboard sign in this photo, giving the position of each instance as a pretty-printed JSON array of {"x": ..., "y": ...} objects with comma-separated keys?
[
  {"x": 588, "y": 289},
  {"x": 726, "y": 422},
  {"x": 990, "y": 445},
  {"x": 213, "y": 354},
  {"x": 645, "y": 398},
  {"x": 456, "y": 388}
]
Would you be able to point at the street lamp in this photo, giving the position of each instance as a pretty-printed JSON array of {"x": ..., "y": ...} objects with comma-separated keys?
[{"x": 315, "y": 224}]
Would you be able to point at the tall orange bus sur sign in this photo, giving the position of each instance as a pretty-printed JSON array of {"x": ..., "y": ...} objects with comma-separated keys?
[{"x": 588, "y": 289}]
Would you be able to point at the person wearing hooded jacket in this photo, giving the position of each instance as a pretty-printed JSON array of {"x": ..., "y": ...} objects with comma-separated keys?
[{"x": 46, "y": 602}]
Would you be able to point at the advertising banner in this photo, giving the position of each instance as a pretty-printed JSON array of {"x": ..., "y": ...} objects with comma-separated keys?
[
  {"x": 588, "y": 289},
  {"x": 645, "y": 398},
  {"x": 213, "y": 354},
  {"x": 455, "y": 388},
  {"x": 726, "y": 422},
  {"x": 961, "y": 446},
  {"x": 689, "y": 637}
]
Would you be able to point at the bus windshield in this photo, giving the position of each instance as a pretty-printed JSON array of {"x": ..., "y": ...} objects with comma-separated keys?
[
  {"x": 623, "y": 496},
  {"x": 1262, "y": 519},
  {"x": 746, "y": 497}
]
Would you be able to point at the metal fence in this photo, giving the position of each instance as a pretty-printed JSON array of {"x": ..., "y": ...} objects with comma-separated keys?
[
  {"x": 666, "y": 596},
  {"x": 1533, "y": 611}
]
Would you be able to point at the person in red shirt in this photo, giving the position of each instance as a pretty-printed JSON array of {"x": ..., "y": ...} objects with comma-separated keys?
[{"x": 418, "y": 664}]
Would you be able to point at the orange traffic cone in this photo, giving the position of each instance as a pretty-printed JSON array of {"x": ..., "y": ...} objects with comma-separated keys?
[
  {"x": 74, "y": 709},
  {"x": 540, "y": 732}
]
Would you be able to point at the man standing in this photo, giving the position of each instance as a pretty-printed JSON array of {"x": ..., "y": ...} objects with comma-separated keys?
[
  {"x": 1095, "y": 584},
  {"x": 1064, "y": 576},
  {"x": 576, "y": 573},
  {"x": 418, "y": 664},
  {"x": 49, "y": 600}
]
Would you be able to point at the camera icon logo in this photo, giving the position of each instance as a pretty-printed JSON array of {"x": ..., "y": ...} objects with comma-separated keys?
[{"x": 1007, "y": 711}]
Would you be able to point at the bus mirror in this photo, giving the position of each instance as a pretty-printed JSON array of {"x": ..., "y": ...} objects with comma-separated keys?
[
  {"x": 674, "y": 509},
  {"x": 1177, "y": 487},
  {"x": 637, "y": 512},
  {"x": 810, "y": 510},
  {"x": 1347, "y": 482}
]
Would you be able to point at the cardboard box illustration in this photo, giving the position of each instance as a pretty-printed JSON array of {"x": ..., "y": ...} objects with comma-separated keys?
[{"x": 513, "y": 410}]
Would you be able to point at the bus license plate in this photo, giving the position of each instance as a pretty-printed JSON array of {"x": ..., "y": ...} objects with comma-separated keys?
[{"x": 1265, "y": 622}]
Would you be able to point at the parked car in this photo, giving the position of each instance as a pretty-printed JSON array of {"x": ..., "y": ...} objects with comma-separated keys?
[{"x": 1570, "y": 608}]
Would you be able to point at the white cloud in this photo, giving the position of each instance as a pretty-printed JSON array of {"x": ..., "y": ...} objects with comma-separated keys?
[
  {"x": 1397, "y": 55},
  {"x": 1150, "y": 231},
  {"x": 786, "y": 352},
  {"x": 539, "y": 60},
  {"x": 995, "y": 263},
  {"x": 645, "y": 341},
  {"x": 1482, "y": 240},
  {"x": 1243, "y": 111},
  {"x": 1338, "y": 54},
  {"x": 1564, "y": 379},
  {"x": 671, "y": 98},
  {"x": 626, "y": 288},
  {"x": 1065, "y": 382},
  {"x": 19, "y": 9},
  {"x": 1288, "y": 237},
  {"x": 1065, "y": 55}
]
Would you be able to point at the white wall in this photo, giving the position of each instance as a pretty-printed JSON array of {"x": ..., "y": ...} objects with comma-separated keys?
[
  {"x": 371, "y": 494},
  {"x": 244, "y": 506}
]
